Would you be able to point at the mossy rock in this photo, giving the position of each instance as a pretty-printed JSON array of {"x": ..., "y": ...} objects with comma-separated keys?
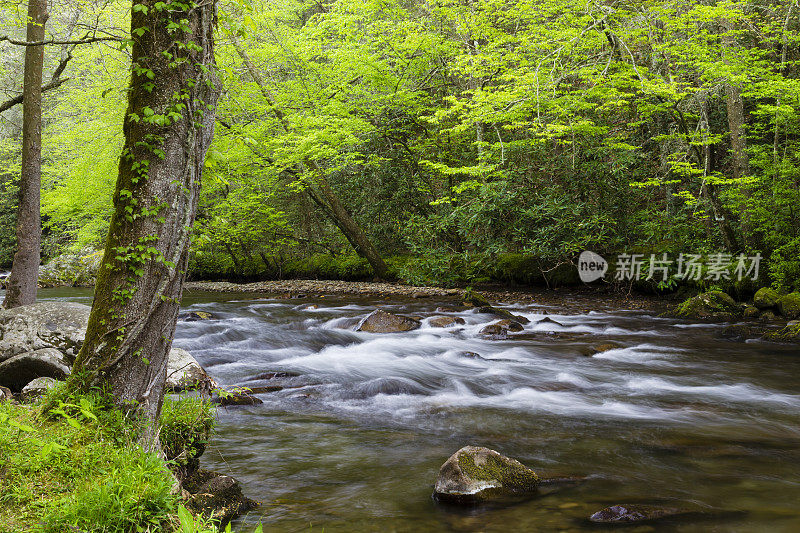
[
  {"x": 476, "y": 475},
  {"x": 766, "y": 298},
  {"x": 789, "y": 305},
  {"x": 787, "y": 334},
  {"x": 709, "y": 305},
  {"x": 751, "y": 312}
]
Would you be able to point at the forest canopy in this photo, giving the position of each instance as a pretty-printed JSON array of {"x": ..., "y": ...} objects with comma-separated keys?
[{"x": 468, "y": 140}]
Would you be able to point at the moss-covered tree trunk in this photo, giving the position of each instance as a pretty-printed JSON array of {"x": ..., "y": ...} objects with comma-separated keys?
[
  {"x": 24, "y": 277},
  {"x": 168, "y": 128}
]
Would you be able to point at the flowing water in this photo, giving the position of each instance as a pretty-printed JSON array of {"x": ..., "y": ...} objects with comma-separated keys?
[{"x": 674, "y": 416}]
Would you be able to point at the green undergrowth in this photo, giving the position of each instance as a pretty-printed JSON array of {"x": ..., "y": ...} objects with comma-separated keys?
[{"x": 71, "y": 463}]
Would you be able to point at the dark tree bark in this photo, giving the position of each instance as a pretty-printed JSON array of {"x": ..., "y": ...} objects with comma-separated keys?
[
  {"x": 24, "y": 277},
  {"x": 168, "y": 128}
]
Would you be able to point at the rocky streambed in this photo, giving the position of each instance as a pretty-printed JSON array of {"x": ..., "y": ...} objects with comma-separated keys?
[{"x": 642, "y": 418}]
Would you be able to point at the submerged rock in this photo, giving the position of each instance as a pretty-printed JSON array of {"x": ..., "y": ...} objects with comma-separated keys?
[
  {"x": 625, "y": 514},
  {"x": 766, "y": 298},
  {"x": 478, "y": 475},
  {"x": 445, "y": 321},
  {"x": 37, "y": 388},
  {"x": 548, "y": 320},
  {"x": 709, "y": 305},
  {"x": 737, "y": 333},
  {"x": 216, "y": 496},
  {"x": 21, "y": 369},
  {"x": 185, "y": 373},
  {"x": 380, "y": 321}
]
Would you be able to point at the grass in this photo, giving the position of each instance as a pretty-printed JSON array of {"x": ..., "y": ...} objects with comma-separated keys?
[{"x": 71, "y": 464}]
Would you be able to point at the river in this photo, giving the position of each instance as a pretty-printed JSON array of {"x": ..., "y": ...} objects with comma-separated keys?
[{"x": 675, "y": 416}]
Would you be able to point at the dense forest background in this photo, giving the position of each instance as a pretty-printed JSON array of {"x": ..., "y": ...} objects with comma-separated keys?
[{"x": 469, "y": 140}]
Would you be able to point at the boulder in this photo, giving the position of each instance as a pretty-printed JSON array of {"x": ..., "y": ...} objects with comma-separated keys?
[
  {"x": 71, "y": 269},
  {"x": 60, "y": 325},
  {"x": 216, "y": 496},
  {"x": 479, "y": 475},
  {"x": 185, "y": 373},
  {"x": 766, "y": 298},
  {"x": 714, "y": 305},
  {"x": 21, "y": 369},
  {"x": 37, "y": 388},
  {"x": 751, "y": 312},
  {"x": 445, "y": 321},
  {"x": 789, "y": 305},
  {"x": 380, "y": 321}
]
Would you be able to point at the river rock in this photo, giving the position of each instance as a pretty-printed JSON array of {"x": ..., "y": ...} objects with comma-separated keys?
[
  {"x": 789, "y": 305},
  {"x": 60, "y": 325},
  {"x": 185, "y": 373},
  {"x": 628, "y": 513},
  {"x": 445, "y": 321},
  {"x": 767, "y": 316},
  {"x": 510, "y": 325},
  {"x": 476, "y": 475},
  {"x": 738, "y": 333},
  {"x": 216, "y": 496},
  {"x": 751, "y": 312},
  {"x": 766, "y": 298},
  {"x": 494, "y": 331},
  {"x": 715, "y": 305},
  {"x": 21, "y": 369},
  {"x": 5, "y": 394},
  {"x": 195, "y": 316},
  {"x": 380, "y": 321},
  {"x": 787, "y": 334},
  {"x": 589, "y": 351},
  {"x": 548, "y": 320},
  {"x": 502, "y": 313},
  {"x": 37, "y": 388}
]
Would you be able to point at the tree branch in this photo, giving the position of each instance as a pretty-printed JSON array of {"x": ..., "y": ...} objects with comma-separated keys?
[
  {"x": 55, "y": 82},
  {"x": 85, "y": 40}
]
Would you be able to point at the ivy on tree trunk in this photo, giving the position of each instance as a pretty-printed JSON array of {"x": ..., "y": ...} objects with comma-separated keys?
[{"x": 168, "y": 128}]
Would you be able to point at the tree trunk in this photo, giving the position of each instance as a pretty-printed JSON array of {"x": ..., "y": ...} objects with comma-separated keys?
[
  {"x": 325, "y": 197},
  {"x": 24, "y": 277},
  {"x": 169, "y": 125}
]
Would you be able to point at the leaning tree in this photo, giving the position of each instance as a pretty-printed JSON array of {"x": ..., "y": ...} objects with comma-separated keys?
[{"x": 168, "y": 128}]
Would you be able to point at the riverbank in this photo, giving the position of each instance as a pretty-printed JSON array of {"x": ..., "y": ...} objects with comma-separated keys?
[{"x": 580, "y": 298}]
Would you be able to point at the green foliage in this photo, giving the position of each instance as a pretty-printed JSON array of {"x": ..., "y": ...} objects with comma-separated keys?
[
  {"x": 70, "y": 463},
  {"x": 186, "y": 427}
]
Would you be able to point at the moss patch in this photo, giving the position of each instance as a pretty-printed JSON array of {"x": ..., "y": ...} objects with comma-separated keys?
[
  {"x": 512, "y": 475},
  {"x": 789, "y": 305}
]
